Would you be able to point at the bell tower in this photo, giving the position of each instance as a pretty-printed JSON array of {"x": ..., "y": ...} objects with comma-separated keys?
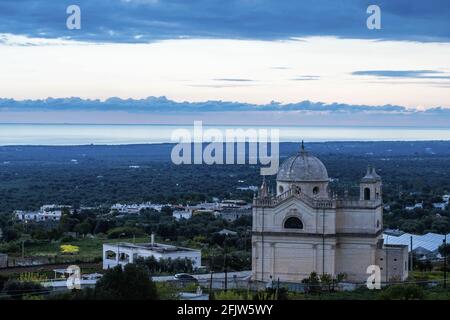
[{"x": 370, "y": 186}]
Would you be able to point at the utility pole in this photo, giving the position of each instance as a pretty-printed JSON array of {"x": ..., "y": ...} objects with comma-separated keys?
[
  {"x": 387, "y": 260},
  {"x": 445, "y": 261},
  {"x": 211, "y": 279},
  {"x": 226, "y": 271},
  {"x": 411, "y": 255}
]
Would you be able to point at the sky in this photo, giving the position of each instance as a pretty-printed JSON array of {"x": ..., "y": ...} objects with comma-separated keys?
[{"x": 147, "y": 58}]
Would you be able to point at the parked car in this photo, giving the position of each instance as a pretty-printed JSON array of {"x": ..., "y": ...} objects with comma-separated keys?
[{"x": 184, "y": 277}]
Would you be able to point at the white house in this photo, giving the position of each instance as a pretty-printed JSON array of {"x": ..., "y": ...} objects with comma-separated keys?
[
  {"x": 135, "y": 208},
  {"x": 233, "y": 214},
  {"x": 446, "y": 198},
  {"x": 234, "y": 204},
  {"x": 125, "y": 253},
  {"x": 46, "y": 213},
  {"x": 182, "y": 214},
  {"x": 415, "y": 206},
  {"x": 440, "y": 205}
]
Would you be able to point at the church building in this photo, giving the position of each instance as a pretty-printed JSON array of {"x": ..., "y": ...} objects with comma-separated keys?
[{"x": 303, "y": 227}]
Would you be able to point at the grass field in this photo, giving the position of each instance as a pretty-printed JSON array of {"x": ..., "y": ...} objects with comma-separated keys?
[{"x": 90, "y": 249}]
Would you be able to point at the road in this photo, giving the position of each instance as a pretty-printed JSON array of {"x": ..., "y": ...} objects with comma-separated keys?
[{"x": 235, "y": 279}]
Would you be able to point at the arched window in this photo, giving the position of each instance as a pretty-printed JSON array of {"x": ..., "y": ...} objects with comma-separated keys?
[
  {"x": 110, "y": 255},
  {"x": 378, "y": 223},
  {"x": 366, "y": 194},
  {"x": 316, "y": 190},
  {"x": 293, "y": 223},
  {"x": 281, "y": 189}
]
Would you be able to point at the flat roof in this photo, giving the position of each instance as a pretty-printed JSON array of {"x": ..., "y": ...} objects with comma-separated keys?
[{"x": 157, "y": 247}]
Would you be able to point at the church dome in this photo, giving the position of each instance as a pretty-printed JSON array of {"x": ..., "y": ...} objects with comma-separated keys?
[{"x": 302, "y": 167}]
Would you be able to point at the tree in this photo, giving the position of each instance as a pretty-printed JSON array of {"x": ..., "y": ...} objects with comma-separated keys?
[
  {"x": 440, "y": 225},
  {"x": 102, "y": 226},
  {"x": 131, "y": 283},
  {"x": 444, "y": 250},
  {"x": 10, "y": 234},
  {"x": 326, "y": 280},
  {"x": 83, "y": 228},
  {"x": 67, "y": 223},
  {"x": 312, "y": 283}
]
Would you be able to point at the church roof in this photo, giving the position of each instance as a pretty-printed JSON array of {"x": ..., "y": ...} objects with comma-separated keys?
[{"x": 302, "y": 167}]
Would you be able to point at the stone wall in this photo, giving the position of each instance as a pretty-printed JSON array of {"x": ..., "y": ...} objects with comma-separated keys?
[{"x": 3, "y": 260}]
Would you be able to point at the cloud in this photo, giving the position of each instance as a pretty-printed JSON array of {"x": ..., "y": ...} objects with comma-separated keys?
[
  {"x": 234, "y": 80},
  {"x": 281, "y": 68},
  {"x": 410, "y": 74},
  {"x": 153, "y": 20},
  {"x": 306, "y": 78},
  {"x": 160, "y": 105}
]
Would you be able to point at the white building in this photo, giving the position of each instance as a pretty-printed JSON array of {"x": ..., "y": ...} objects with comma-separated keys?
[
  {"x": 124, "y": 253},
  {"x": 234, "y": 204},
  {"x": 135, "y": 208},
  {"x": 415, "y": 206},
  {"x": 233, "y": 214},
  {"x": 303, "y": 228},
  {"x": 182, "y": 214},
  {"x": 211, "y": 206},
  {"x": 440, "y": 205},
  {"x": 46, "y": 213}
]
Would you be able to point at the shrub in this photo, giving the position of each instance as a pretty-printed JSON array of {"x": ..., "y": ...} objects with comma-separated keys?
[
  {"x": 130, "y": 283},
  {"x": 18, "y": 289},
  {"x": 229, "y": 295},
  {"x": 67, "y": 239},
  {"x": 402, "y": 292},
  {"x": 69, "y": 249}
]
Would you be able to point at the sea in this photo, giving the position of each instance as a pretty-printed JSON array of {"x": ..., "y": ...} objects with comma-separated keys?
[{"x": 117, "y": 134}]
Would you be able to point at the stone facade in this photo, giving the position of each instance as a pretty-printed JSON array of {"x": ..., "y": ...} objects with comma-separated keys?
[{"x": 303, "y": 228}]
